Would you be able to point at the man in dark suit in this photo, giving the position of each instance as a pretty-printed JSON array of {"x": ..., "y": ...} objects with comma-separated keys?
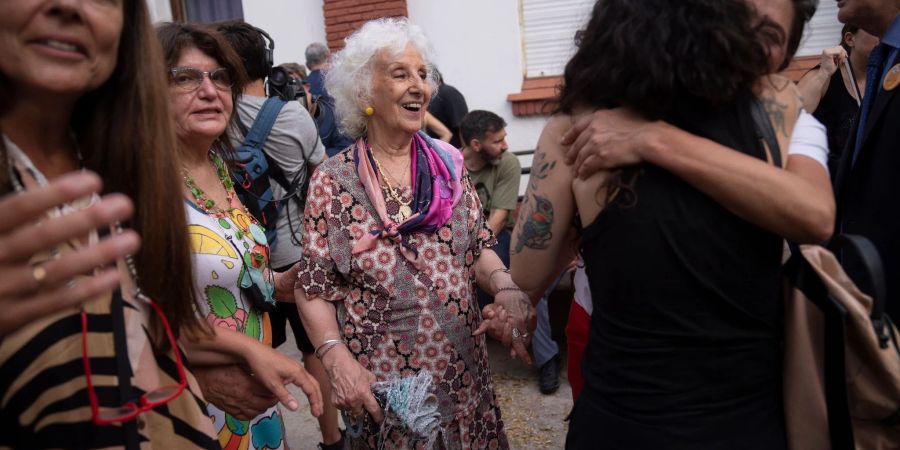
[{"x": 867, "y": 186}]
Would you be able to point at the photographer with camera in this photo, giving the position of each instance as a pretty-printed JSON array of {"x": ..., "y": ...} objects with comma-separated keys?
[
  {"x": 301, "y": 88},
  {"x": 290, "y": 153}
]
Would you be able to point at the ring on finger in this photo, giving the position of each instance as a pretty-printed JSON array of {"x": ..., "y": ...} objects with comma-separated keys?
[
  {"x": 516, "y": 334},
  {"x": 38, "y": 274}
]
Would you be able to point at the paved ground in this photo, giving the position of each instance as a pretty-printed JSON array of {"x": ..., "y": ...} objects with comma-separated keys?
[{"x": 533, "y": 421}]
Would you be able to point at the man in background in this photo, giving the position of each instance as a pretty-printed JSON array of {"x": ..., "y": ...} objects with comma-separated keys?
[
  {"x": 866, "y": 185},
  {"x": 495, "y": 174},
  {"x": 317, "y": 59}
]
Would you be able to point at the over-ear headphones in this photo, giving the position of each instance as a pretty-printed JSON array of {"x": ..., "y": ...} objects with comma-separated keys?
[
  {"x": 280, "y": 83},
  {"x": 268, "y": 50}
]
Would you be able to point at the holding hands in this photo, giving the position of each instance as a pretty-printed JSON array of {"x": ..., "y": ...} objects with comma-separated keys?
[
  {"x": 29, "y": 291},
  {"x": 245, "y": 377},
  {"x": 233, "y": 390},
  {"x": 510, "y": 319}
]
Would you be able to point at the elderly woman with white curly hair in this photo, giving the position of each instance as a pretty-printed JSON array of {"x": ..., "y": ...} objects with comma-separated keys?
[{"x": 394, "y": 242}]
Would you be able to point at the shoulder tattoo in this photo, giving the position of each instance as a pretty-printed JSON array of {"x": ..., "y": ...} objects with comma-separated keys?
[{"x": 776, "y": 113}]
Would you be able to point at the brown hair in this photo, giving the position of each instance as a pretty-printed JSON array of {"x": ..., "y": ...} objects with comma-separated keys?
[
  {"x": 176, "y": 37},
  {"x": 125, "y": 132}
]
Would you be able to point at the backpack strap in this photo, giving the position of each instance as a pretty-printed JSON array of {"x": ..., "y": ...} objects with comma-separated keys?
[
  {"x": 256, "y": 137},
  {"x": 262, "y": 126}
]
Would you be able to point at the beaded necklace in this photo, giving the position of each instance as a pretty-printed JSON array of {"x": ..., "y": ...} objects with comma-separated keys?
[
  {"x": 245, "y": 222},
  {"x": 255, "y": 260}
]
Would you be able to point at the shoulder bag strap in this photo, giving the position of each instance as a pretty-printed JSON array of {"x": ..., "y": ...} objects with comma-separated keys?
[
  {"x": 764, "y": 130},
  {"x": 803, "y": 277},
  {"x": 874, "y": 281}
]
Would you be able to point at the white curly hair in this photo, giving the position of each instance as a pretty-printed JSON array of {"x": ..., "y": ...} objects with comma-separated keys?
[{"x": 349, "y": 80}]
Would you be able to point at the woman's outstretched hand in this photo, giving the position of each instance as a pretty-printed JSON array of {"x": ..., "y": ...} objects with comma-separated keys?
[
  {"x": 30, "y": 289},
  {"x": 274, "y": 370}
]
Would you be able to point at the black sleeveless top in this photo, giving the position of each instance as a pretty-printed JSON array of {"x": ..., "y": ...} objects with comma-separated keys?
[
  {"x": 837, "y": 111},
  {"x": 684, "y": 346}
]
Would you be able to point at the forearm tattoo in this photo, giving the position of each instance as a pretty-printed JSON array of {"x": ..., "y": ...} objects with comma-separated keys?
[
  {"x": 535, "y": 231},
  {"x": 538, "y": 211}
]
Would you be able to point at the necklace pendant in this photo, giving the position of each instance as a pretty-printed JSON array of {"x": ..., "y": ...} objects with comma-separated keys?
[{"x": 258, "y": 234}]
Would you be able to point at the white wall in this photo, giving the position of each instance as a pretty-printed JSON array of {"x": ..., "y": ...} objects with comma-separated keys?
[
  {"x": 160, "y": 10},
  {"x": 293, "y": 24},
  {"x": 478, "y": 48},
  {"x": 477, "y": 45}
]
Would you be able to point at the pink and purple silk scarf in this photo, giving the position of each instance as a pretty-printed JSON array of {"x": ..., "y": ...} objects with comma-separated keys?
[{"x": 436, "y": 188}]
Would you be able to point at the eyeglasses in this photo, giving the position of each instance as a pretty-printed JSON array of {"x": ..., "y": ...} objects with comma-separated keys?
[
  {"x": 189, "y": 79},
  {"x": 146, "y": 402}
]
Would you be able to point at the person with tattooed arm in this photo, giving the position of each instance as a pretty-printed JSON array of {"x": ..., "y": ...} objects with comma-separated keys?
[
  {"x": 683, "y": 263},
  {"x": 496, "y": 173}
]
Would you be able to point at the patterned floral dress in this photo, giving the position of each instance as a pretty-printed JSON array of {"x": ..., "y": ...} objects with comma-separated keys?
[{"x": 396, "y": 319}]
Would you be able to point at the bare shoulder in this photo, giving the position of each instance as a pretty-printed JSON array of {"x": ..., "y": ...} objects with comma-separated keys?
[
  {"x": 554, "y": 129},
  {"x": 782, "y": 89}
]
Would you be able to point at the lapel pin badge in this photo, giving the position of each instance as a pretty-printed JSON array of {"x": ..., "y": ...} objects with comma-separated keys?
[{"x": 892, "y": 79}]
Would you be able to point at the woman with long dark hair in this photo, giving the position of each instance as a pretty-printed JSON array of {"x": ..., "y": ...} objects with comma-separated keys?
[
  {"x": 683, "y": 262},
  {"x": 88, "y": 356}
]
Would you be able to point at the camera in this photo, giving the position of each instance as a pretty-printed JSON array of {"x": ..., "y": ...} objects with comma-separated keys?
[{"x": 286, "y": 87}]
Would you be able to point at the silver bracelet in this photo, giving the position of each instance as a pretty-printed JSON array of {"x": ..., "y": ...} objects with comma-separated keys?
[
  {"x": 508, "y": 288},
  {"x": 322, "y": 349},
  {"x": 491, "y": 276}
]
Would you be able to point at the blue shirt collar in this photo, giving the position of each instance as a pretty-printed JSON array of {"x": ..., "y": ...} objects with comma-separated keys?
[{"x": 892, "y": 35}]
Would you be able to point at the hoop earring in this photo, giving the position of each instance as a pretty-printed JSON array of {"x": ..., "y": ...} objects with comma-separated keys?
[{"x": 369, "y": 111}]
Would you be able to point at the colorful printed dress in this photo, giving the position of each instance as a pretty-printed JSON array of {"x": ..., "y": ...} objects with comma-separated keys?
[
  {"x": 221, "y": 254},
  {"x": 396, "y": 319}
]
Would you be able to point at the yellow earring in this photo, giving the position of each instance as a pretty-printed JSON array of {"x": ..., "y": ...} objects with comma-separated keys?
[{"x": 369, "y": 111}]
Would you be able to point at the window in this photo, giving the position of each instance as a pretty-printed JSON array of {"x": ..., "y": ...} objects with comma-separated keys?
[
  {"x": 549, "y": 28},
  {"x": 822, "y": 31},
  {"x": 208, "y": 11}
]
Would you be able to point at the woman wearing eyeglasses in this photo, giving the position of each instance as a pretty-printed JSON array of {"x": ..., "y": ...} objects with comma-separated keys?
[
  {"x": 234, "y": 285},
  {"x": 87, "y": 360}
]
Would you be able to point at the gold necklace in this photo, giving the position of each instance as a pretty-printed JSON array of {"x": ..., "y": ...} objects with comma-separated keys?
[{"x": 405, "y": 211}]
